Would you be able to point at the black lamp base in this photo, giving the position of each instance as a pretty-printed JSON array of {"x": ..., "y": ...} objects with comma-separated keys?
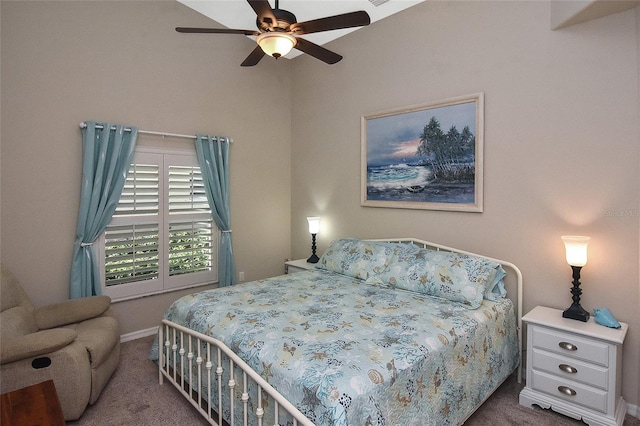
[
  {"x": 314, "y": 258},
  {"x": 576, "y": 312}
]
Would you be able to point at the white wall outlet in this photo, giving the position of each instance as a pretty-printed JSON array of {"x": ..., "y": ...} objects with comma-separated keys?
[{"x": 241, "y": 276}]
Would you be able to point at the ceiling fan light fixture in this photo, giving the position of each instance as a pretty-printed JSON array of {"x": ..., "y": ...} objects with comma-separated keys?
[{"x": 276, "y": 44}]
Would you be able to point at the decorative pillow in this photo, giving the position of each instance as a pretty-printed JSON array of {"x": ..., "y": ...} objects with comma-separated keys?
[
  {"x": 356, "y": 258},
  {"x": 452, "y": 276}
]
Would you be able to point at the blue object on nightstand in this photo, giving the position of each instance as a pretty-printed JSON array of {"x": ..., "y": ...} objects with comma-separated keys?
[{"x": 604, "y": 317}]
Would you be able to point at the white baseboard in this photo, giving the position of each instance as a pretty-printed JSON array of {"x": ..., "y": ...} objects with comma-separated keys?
[
  {"x": 138, "y": 334},
  {"x": 634, "y": 410}
]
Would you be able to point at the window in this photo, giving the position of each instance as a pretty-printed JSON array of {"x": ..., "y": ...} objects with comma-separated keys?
[{"x": 161, "y": 236}]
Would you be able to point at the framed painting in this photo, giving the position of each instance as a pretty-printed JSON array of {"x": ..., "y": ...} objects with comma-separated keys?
[{"x": 424, "y": 157}]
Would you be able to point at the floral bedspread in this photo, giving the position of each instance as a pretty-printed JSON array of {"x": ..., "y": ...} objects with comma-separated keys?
[{"x": 349, "y": 353}]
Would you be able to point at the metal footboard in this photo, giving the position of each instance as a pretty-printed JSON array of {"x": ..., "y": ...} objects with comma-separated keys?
[{"x": 220, "y": 385}]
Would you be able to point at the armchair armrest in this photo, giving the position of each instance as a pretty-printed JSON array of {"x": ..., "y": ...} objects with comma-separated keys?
[
  {"x": 34, "y": 344},
  {"x": 70, "y": 311}
]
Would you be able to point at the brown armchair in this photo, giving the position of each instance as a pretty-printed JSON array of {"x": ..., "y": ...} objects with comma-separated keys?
[{"x": 75, "y": 343}]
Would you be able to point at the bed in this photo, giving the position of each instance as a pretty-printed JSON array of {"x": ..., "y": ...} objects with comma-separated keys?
[{"x": 381, "y": 332}]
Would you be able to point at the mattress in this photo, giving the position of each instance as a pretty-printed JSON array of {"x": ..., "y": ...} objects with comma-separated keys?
[{"x": 346, "y": 352}]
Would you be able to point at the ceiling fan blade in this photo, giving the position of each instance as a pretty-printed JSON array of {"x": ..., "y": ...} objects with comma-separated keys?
[
  {"x": 264, "y": 12},
  {"x": 253, "y": 58},
  {"x": 317, "y": 51},
  {"x": 337, "y": 22},
  {"x": 216, "y": 31}
]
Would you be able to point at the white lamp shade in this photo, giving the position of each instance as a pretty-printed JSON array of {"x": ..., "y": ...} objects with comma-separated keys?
[
  {"x": 276, "y": 44},
  {"x": 314, "y": 224},
  {"x": 576, "y": 248}
]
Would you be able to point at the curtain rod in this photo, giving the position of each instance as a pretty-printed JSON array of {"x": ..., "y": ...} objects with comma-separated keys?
[{"x": 149, "y": 132}]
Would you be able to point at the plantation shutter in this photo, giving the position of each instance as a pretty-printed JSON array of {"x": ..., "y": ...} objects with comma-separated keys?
[
  {"x": 140, "y": 195},
  {"x": 132, "y": 246},
  {"x": 131, "y": 253},
  {"x": 191, "y": 227},
  {"x": 162, "y": 235},
  {"x": 186, "y": 190}
]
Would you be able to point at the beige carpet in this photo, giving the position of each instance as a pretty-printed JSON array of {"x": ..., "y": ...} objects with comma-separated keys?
[{"x": 134, "y": 397}]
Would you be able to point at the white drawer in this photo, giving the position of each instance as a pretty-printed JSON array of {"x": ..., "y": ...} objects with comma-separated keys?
[
  {"x": 570, "y": 345},
  {"x": 570, "y": 368},
  {"x": 589, "y": 397}
]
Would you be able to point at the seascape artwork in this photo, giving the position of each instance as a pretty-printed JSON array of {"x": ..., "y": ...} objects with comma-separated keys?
[{"x": 425, "y": 157}]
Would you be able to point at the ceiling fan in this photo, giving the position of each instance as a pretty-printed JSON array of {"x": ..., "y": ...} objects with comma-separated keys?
[{"x": 278, "y": 29}]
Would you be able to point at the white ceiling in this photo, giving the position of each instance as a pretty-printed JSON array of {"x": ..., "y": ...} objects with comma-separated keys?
[
  {"x": 237, "y": 14},
  {"x": 566, "y": 13}
]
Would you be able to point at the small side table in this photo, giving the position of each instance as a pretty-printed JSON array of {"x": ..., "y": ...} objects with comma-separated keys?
[
  {"x": 33, "y": 405},
  {"x": 574, "y": 367},
  {"x": 292, "y": 266}
]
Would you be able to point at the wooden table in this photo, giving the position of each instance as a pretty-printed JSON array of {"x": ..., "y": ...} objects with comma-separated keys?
[{"x": 34, "y": 405}]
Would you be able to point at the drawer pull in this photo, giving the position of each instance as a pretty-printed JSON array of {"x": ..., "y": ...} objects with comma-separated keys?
[
  {"x": 566, "y": 390},
  {"x": 568, "y": 346},
  {"x": 567, "y": 369}
]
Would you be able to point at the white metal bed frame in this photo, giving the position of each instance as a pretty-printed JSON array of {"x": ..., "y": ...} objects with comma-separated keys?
[{"x": 183, "y": 351}]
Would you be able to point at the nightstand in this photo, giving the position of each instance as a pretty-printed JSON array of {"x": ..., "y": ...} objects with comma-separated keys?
[
  {"x": 291, "y": 266},
  {"x": 574, "y": 367}
]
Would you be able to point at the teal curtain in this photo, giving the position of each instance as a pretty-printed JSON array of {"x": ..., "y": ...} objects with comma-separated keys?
[
  {"x": 213, "y": 157},
  {"x": 107, "y": 151}
]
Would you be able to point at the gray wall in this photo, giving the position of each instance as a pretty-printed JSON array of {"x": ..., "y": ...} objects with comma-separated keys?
[
  {"x": 65, "y": 62},
  {"x": 561, "y": 143},
  {"x": 561, "y": 136}
]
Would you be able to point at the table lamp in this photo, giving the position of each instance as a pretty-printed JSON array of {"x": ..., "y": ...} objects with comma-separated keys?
[
  {"x": 314, "y": 227},
  {"x": 576, "y": 254}
]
